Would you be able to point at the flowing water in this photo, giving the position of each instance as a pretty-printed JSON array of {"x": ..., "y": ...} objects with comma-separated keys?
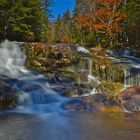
[{"x": 39, "y": 116}]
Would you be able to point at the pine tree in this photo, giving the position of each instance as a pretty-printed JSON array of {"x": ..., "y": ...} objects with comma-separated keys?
[{"x": 22, "y": 20}]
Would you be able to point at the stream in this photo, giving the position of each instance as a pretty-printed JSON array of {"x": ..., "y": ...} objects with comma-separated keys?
[
  {"x": 69, "y": 125},
  {"x": 39, "y": 116}
]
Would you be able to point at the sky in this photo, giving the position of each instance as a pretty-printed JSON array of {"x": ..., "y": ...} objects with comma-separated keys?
[{"x": 60, "y": 6}]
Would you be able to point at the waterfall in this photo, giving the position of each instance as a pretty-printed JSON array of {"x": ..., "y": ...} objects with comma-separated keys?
[
  {"x": 32, "y": 88},
  {"x": 11, "y": 60},
  {"x": 82, "y": 70},
  {"x": 131, "y": 77},
  {"x": 90, "y": 66},
  {"x": 125, "y": 80},
  {"x": 91, "y": 78}
]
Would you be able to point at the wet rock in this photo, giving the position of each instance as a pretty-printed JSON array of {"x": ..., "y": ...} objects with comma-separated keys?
[
  {"x": 130, "y": 99},
  {"x": 102, "y": 102},
  {"x": 75, "y": 105},
  {"x": 99, "y": 102},
  {"x": 63, "y": 90},
  {"x": 7, "y": 96}
]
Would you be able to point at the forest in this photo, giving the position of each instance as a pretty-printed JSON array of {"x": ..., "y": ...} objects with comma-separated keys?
[{"x": 92, "y": 23}]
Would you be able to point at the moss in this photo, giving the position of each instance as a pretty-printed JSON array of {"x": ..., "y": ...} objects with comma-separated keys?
[{"x": 109, "y": 87}]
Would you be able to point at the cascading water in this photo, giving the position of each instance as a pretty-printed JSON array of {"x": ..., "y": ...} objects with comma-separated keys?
[
  {"x": 85, "y": 70},
  {"x": 131, "y": 77},
  {"x": 90, "y": 66},
  {"x": 91, "y": 78},
  {"x": 131, "y": 68},
  {"x": 11, "y": 60},
  {"x": 123, "y": 69},
  {"x": 32, "y": 89}
]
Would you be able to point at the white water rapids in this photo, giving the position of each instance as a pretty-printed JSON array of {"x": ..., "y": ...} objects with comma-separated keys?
[
  {"x": 33, "y": 90},
  {"x": 12, "y": 60}
]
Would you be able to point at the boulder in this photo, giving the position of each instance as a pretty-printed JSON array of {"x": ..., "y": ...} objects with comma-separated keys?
[
  {"x": 98, "y": 102},
  {"x": 130, "y": 99}
]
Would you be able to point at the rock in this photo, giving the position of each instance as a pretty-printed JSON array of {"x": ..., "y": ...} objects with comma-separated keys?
[
  {"x": 50, "y": 56},
  {"x": 130, "y": 99},
  {"x": 63, "y": 90},
  {"x": 5, "y": 89},
  {"x": 7, "y": 96},
  {"x": 98, "y": 102},
  {"x": 102, "y": 102},
  {"x": 75, "y": 105}
]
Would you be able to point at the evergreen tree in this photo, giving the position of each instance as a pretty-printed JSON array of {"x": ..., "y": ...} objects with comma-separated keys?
[
  {"x": 132, "y": 27},
  {"x": 22, "y": 20}
]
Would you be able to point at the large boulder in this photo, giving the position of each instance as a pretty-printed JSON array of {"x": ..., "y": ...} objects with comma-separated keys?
[
  {"x": 99, "y": 102},
  {"x": 50, "y": 56},
  {"x": 130, "y": 99}
]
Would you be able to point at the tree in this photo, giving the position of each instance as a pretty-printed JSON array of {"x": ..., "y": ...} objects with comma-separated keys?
[
  {"x": 63, "y": 28},
  {"x": 132, "y": 26},
  {"x": 22, "y": 20},
  {"x": 57, "y": 29},
  {"x": 105, "y": 18}
]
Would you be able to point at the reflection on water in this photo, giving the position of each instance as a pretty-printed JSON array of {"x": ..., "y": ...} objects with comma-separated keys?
[
  {"x": 38, "y": 127},
  {"x": 99, "y": 126},
  {"x": 70, "y": 126}
]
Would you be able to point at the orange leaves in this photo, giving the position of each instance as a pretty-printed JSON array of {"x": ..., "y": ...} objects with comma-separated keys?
[
  {"x": 65, "y": 39},
  {"x": 108, "y": 3},
  {"x": 84, "y": 20},
  {"x": 106, "y": 16},
  {"x": 39, "y": 47}
]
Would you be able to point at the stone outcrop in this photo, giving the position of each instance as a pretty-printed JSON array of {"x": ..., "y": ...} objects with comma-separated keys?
[
  {"x": 98, "y": 102},
  {"x": 128, "y": 101},
  {"x": 50, "y": 56}
]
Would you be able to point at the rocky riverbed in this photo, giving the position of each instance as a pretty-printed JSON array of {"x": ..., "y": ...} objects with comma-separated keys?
[
  {"x": 126, "y": 101},
  {"x": 69, "y": 69}
]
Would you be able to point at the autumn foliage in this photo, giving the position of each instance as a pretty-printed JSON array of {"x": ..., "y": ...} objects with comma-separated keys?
[
  {"x": 65, "y": 39},
  {"x": 39, "y": 48},
  {"x": 106, "y": 16}
]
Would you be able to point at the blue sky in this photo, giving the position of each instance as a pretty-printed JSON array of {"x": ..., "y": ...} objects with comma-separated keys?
[{"x": 60, "y": 6}]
